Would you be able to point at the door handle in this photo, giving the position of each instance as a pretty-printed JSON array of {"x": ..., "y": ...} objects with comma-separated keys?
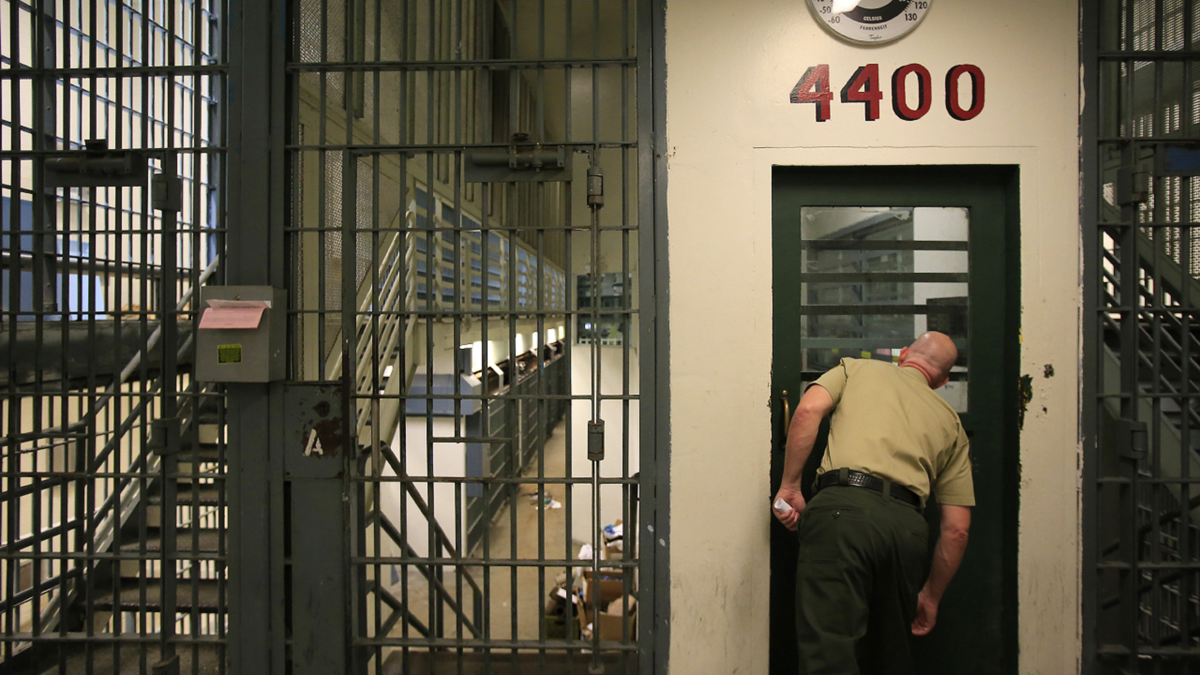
[{"x": 787, "y": 413}]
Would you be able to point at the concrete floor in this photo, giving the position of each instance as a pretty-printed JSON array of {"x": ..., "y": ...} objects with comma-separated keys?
[{"x": 527, "y": 520}]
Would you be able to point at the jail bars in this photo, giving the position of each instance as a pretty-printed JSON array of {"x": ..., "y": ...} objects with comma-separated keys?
[
  {"x": 487, "y": 153},
  {"x": 111, "y": 218},
  {"x": 1141, "y": 538}
]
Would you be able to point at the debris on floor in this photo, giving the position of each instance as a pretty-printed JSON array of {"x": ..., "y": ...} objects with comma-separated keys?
[
  {"x": 548, "y": 501},
  {"x": 606, "y": 600}
]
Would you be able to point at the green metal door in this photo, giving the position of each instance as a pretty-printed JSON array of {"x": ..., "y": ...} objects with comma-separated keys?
[{"x": 865, "y": 259}]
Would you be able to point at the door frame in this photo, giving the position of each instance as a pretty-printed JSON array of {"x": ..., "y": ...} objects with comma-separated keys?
[{"x": 794, "y": 186}]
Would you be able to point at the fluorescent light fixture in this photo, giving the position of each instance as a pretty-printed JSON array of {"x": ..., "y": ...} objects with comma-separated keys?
[
  {"x": 387, "y": 372},
  {"x": 843, "y": 6}
]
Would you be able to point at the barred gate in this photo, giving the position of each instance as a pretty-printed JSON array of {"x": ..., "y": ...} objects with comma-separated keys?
[
  {"x": 112, "y": 556},
  {"x": 456, "y": 198},
  {"x": 482, "y": 162},
  {"x": 1141, "y": 133}
]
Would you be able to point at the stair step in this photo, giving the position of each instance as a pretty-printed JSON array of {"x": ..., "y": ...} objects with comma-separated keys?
[
  {"x": 208, "y": 503},
  {"x": 186, "y": 495},
  {"x": 207, "y": 453},
  {"x": 207, "y": 600},
  {"x": 209, "y": 431},
  {"x": 209, "y": 541},
  {"x": 202, "y": 659}
]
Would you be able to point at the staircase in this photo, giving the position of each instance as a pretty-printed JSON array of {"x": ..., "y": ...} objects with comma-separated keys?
[
  {"x": 1164, "y": 345},
  {"x": 127, "y": 572},
  {"x": 185, "y": 525},
  {"x": 1150, "y": 524},
  {"x": 142, "y": 586}
]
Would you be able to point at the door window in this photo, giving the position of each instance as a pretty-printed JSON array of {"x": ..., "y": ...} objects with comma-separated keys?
[{"x": 874, "y": 278}]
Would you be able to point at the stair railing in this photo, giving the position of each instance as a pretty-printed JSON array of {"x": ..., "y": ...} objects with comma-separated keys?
[
  {"x": 1172, "y": 277},
  {"x": 124, "y": 499},
  {"x": 1159, "y": 351},
  {"x": 379, "y": 330}
]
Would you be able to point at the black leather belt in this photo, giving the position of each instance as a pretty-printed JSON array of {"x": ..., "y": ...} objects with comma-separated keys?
[{"x": 860, "y": 479}]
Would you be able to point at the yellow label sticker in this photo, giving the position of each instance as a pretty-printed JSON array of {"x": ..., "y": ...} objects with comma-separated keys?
[
  {"x": 229, "y": 353},
  {"x": 866, "y": 355}
]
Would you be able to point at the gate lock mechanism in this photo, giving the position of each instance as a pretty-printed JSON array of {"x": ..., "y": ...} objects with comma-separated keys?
[{"x": 522, "y": 161}]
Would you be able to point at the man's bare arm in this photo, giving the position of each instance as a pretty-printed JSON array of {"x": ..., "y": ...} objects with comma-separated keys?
[
  {"x": 802, "y": 434},
  {"x": 947, "y": 555}
]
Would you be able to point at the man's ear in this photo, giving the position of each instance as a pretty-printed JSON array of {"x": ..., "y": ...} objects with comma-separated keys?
[{"x": 903, "y": 355}]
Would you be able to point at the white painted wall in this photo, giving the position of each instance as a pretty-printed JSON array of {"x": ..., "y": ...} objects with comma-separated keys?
[
  {"x": 730, "y": 68},
  {"x": 449, "y": 461}
]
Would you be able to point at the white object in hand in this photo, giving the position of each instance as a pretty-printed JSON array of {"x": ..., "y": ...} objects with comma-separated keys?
[{"x": 782, "y": 506}]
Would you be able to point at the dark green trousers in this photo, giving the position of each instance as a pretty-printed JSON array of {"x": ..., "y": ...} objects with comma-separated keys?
[{"x": 863, "y": 559}]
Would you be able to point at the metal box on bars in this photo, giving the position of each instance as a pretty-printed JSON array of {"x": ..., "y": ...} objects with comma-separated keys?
[{"x": 242, "y": 334}]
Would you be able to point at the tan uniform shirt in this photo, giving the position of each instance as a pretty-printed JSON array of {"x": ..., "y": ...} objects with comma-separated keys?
[{"x": 888, "y": 422}]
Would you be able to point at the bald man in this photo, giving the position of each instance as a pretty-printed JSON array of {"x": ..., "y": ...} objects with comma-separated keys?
[{"x": 861, "y": 582}]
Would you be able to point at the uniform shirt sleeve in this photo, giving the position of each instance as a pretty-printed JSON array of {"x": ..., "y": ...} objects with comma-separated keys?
[
  {"x": 834, "y": 381},
  {"x": 955, "y": 485}
]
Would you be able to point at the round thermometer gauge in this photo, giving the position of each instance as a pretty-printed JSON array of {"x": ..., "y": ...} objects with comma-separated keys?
[{"x": 870, "y": 21}]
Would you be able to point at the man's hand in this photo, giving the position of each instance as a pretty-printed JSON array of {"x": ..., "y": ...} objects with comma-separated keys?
[
  {"x": 947, "y": 554},
  {"x": 927, "y": 610},
  {"x": 795, "y": 500},
  {"x": 814, "y": 406}
]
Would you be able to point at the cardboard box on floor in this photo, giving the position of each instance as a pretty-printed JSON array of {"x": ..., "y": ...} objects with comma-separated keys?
[
  {"x": 611, "y": 622},
  {"x": 607, "y": 594},
  {"x": 611, "y": 585}
]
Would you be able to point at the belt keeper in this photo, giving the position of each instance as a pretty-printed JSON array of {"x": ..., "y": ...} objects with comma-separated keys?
[
  {"x": 887, "y": 488},
  {"x": 843, "y": 476}
]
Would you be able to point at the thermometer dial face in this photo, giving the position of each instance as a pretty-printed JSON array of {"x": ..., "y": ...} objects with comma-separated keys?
[{"x": 871, "y": 21}]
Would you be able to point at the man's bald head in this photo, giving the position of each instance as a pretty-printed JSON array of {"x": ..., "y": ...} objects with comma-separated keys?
[{"x": 933, "y": 354}]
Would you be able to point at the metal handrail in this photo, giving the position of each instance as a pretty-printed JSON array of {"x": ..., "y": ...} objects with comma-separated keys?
[
  {"x": 1173, "y": 278},
  {"x": 334, "y": 365},
  {"x": 82, "y": 264},
  {"x": 134, "y": 362},
  {"x": 392, "y": 336},
  {"x": 427, "y": 572}
]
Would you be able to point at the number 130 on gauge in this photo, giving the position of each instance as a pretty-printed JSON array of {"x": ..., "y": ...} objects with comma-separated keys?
[{"x": 912, "y": 91}]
